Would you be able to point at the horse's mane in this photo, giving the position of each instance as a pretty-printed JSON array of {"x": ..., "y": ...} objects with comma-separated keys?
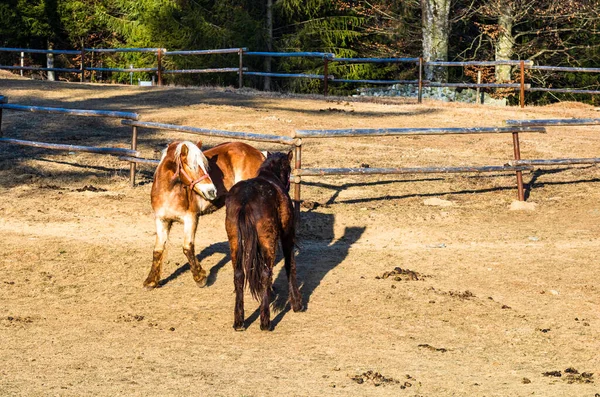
[
  {"x": 273, "y": 163},
  {"x": 195, "y": 157}
]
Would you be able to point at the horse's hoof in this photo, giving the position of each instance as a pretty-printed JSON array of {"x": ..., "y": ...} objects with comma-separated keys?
[
  {"x": 298, "y": 308},
  {"x": 149, "y": 286},
  {"x": 202, "y": 283},
  {"x": 239, "y": 328},
  {"x": 266, "y": 327}
]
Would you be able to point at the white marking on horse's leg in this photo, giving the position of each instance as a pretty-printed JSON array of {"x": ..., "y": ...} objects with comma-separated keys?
[
  {"x": 162, "y": 234},
  {"x": 190, "y": 224}
]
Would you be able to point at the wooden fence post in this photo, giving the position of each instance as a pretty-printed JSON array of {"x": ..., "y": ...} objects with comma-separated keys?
[
  {"x": 297, "y": 178},
  {"x": 159, "y": 66},
  {"x": 2, "y": 100},
  {"x": 82, "y": 68},
  {"x": 241, "y": 67},
  {"x": 420, "y": 94},
  {"x": 325, "y": 73},
  {"x": 517, "y": 150},
  {"x": 522, "y": 94},
  {"x": 132, "y": 165},
  {"x": 478, "y": 99}
]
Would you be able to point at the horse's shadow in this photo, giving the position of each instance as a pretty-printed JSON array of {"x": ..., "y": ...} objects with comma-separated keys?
[
  {"x": 318, "y": 253},
  {"x": 216, "y": 248}
]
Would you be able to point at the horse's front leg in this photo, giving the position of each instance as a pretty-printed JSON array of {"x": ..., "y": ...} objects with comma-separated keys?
[
  {"x": 162, "y": 235},
  {"x": 287, "y": 246},
  {"x": 190, "y": 224}
]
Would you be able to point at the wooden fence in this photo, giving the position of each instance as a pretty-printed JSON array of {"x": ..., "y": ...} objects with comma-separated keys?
[
  {"x": 75, "y": 148},
  {"x": 554, "y": 123},
  {"x": 514, "y": 127},
  {"x": 521, "y": 86},
  {"x": 300, "y": 172}
]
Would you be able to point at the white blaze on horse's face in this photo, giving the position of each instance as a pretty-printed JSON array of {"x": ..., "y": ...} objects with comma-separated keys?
[{"x": 197, "y": 164}]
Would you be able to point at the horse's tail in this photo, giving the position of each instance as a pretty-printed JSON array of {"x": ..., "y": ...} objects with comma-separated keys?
[{"x": 250, "y": 257}]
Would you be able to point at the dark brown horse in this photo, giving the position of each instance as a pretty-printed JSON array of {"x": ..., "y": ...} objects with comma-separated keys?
[
  {"x": 259, "y": 213},
  {"x": 189, "y": 183}
]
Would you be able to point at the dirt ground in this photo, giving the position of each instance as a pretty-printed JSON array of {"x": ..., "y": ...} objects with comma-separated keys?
[{"x": 464, "y": 297}]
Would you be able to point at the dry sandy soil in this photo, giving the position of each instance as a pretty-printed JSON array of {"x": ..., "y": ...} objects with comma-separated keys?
[{"x": 489, "y": 302}]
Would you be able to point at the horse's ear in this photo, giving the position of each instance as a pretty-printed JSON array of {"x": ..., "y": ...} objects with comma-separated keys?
[
  {"x": 199, "y": 144},
  {"x": 184, "y": 152},
  {"x": 268, "y": 154},
  {"x": 290, "y": 155}
]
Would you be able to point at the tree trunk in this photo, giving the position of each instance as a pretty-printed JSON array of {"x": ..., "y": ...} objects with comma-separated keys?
[
  {"x": 436, "y": 30},
  {"x": 269, "y": 28},
  {"x": 505, "y": 42}
]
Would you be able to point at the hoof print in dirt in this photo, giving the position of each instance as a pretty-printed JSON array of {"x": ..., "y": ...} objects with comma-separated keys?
[
  {"x": 376, "y": 379},
  {"x": 129, "y": 318},
  {"x": 12, "y": 321},
  {"x": 433, "y": 349},
  {"x": 400, "y": 274},
  {"x": 466, "y": 295}
]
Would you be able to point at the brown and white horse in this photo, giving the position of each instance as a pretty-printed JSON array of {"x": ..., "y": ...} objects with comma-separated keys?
[{"x": 189, "y": 183}]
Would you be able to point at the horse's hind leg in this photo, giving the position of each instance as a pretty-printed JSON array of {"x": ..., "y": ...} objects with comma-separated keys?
[
  {"x": 268, "y": 249},
  {"x": 238, "y": 276},
  {"x": 162, "y": 234},
  {"x": 287, "y": 246},
  {"x": 190, "y": 223}
]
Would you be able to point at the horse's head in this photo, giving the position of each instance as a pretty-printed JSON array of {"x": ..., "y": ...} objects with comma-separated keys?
[
  {"x": 192, "y": 169},
  {"x": 280, "y": 165}
]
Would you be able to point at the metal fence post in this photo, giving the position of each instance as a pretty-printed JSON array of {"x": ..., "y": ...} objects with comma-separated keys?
[
  {"x": 420, "y": 94},
  {"x": 132, "y": 165},
  {"x": 517, "y": 150}
]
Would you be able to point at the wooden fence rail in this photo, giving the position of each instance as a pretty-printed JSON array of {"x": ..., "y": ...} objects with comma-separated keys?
[
  {"x": 75, "y": 148},
  {"x": 300, "y": 172},
  {"x": 327, "y": 58},
  {"x": 555, "y": 123}
]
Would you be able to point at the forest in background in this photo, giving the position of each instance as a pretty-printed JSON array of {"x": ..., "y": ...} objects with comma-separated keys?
[{"x": 548, "y": 32}]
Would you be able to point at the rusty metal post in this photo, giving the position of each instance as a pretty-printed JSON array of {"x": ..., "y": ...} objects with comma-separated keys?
[
  {"x": 420, "y": 94},
  {"x": 159, "y": 66},
  {"x": 132, "y": 165},
  {"x": 522, "y": 96},
  {"x": 82, "y": 68},
  {"x": 297, "y": 178},
  {"x": 517, "y": 150},
  {"x": 241, "y": 72},
  {"x": 325, "y": 73}
]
